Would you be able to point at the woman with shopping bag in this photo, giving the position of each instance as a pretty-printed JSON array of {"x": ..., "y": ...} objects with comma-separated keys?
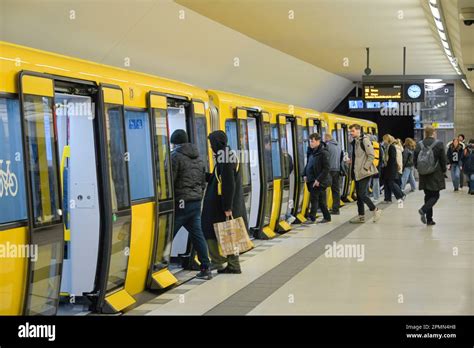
[{"x": 223, "y": 200}]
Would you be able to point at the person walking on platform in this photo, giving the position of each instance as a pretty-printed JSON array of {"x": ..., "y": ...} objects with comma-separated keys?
[
  {"x": 455, "y": 155},
  {"x": 408, "y": 164},
  {"x": 391, "y": 170},
  {"x": 224, "y": 198},
  {"x": 430, "y": 161},
  {"x": 375, "y": 179},
  {"x": 362, "y": 167},
  {"x": 317, "y": 178},
  {"x": 468, "y": 165},
  {"x": 189, "y": 182},
  {"x": 335, "y": 159},
  {"x": 461, "y": 138}
]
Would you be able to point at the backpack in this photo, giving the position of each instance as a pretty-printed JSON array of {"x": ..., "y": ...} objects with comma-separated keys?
[
  {"x": 376, "y": 147},
  {"x": 426, "y": 163}
]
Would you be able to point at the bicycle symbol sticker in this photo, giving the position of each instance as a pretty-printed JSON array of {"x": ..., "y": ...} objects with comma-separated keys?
[{"x": 8, "y": 181}]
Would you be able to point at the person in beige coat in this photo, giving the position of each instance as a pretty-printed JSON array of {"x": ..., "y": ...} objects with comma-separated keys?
[{"x": 362, "y": 167}]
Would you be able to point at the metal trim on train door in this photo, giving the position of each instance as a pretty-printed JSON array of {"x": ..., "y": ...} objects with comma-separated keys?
[
  {"x": 283, "y": 225},
  {"x": 53, "y": 232},
  {"x": 116, "y": 299},
  {"x": 159, "y": 276}
]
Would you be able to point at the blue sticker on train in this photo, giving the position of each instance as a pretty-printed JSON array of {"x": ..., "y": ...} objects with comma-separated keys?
[{"x": 135, "y": 123}]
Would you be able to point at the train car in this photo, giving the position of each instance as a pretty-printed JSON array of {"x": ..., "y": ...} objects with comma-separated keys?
[{"x": 85, "y": 152}]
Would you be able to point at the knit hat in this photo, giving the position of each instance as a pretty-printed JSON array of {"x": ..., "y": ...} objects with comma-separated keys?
[{"x": 179, "y": 136}]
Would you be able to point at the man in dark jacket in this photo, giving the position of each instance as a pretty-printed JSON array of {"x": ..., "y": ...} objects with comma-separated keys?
[
  {"x": 432, "y": 183},
  {"x": 189, "y": 181},
  {"x": 223, "y": 200},
  {"x": 335, "y": 159},
  {"x": 316, "y": 176}
]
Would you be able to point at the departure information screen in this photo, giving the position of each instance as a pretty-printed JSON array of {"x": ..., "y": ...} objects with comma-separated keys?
[{"x": 383, "y": 91}]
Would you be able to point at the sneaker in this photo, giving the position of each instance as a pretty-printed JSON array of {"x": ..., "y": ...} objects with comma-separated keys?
[
  {"x": 358, "y": 220},
  {"x": 310, "y": 221},
  {"x": 228, "y": 270},
  {"x": 422, "y": 216},
  {"x": 334, "y": 212},
  {"x": 323, "y": 221},
  {"x": 377, "y": 214},
  {"x": 456, "y": 190},
  {"x": 291, "y": 219},
  {"x": 205, "y": 274},
  {"x": 431, "y": 223}
]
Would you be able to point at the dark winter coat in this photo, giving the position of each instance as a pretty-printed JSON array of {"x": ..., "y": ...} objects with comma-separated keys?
[
  {"x": 434, "y": 181},
  {"x": 232, "y": 197},
  {"x": 390, "y": 171},
  {"x": 189, "y": 173},
  {"x": 317, "y": 167},
  {"x": 407, "y": 158}
]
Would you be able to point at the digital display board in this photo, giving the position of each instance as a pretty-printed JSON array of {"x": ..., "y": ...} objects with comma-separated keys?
[{"x": 383, "y": 91}]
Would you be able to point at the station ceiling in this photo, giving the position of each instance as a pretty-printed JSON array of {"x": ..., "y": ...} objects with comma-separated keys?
[{"x": 329, "y": 33}]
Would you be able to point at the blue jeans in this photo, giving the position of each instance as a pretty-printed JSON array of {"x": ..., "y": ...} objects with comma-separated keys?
[
  {"x": 189, "y": 217},
  {"x": 455, "y": 175},
  {"x": 376, "y": 188},
  {"x": 471, "y": 182},
  {"x": 408, "y": 177}
]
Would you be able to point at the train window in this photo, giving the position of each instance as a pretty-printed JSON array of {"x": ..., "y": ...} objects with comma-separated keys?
[
  {"x": 39, "y": 129},
  {"x": 301, "y": 149},
  {"x": 267, "y": 152},
  {"x": 12, "y": 175},
  {"x": 285, "y": 169},
  {"x": 276, "y": 160},
  {"x": 231, "y": 131},
  {"x": 305, "y": 143},
  {"x": 137, "y": 128},
  {"x": 201, "y": 138},
  {"x": 117, "y": 157},
  {"x": 162, "y": 153},
  {"x": 118, "y": 258},
  {"x": 244, "y": 151}
]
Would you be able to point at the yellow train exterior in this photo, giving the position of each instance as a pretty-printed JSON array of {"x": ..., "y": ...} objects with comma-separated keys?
[
  {"x": 139, "y": 229},
  {"x": 129, "y": 184}
]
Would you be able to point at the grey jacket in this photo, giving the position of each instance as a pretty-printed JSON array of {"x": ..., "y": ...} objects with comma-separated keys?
[
  {"x": 335, "y": 155},
  {"x": 363, "y": 163}
]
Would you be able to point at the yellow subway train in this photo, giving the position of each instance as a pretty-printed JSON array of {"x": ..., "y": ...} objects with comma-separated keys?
[{"x": 86, "y": 191}]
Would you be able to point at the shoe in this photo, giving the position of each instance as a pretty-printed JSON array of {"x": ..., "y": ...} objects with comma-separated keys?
[
  {"x": 324, "y": 221},
  {"x": 310, "y": 221},
  {"x": 291, "y": 219},
  {"x": 431, "y": 223},
  {"x": 403, "y": 197},
  {"x": 334, "y": 212},
  {"x": 205, "y": 274},
  {"x": 377, "y": 214},
  {"x": 228, "y": 270},
  {"x": 456, "y": 190},
  {"x": 358, "y": 220},
  {"x": 422, "y": 216}
]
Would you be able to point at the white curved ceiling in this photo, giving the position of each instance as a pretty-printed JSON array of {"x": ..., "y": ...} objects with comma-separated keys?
[{"x": 324, "y": 32}]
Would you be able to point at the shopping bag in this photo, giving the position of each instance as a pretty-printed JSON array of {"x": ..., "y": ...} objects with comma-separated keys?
[{"x": 232, "y": 237}]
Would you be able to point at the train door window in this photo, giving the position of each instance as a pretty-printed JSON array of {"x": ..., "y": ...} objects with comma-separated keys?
[
  {"x": 305, "y": 145},
  {"x": 317, "y": 128},
  {"x": 200, "y": 124},
  {"x": 276, "y": 153},
  {"x": 232, "y": 137},
  {"x": 255, "y": 174},
  {"x": 12, "y": 175},
  {"x": 285, "y": 168},
  {"x": 302, "y": 145},
  {"x": 291, "y": 165},
  {"x": 245, "y": 154},
  {"x": 42, "y": 162},
  {"x": 162, "y": 160},
  {"x": 137, "y": 124},
  {"x": 177, "y": 119},
  {"x": 120, "y": 196}
]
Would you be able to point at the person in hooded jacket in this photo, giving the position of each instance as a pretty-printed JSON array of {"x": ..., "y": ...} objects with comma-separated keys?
[
  {"x": 335, "y": 159},
  {"x": 317, "y": 178},
  {"x": 229, "y": 202},
  {"x": 189, "y": 182}
]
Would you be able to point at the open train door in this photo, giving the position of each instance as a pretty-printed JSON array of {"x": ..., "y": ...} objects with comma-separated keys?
[
  {"x": 45, "y": 222},
  {"x": 159, "y": 276},
  {"x": 117, "y": 213}
]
